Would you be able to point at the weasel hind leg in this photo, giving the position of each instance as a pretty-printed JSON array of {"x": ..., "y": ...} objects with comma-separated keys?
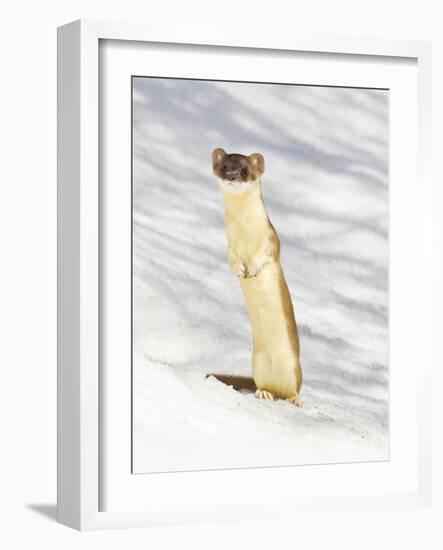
[
  {"x": 295, "y": 400},
  {"x": 263, "y": 394}
]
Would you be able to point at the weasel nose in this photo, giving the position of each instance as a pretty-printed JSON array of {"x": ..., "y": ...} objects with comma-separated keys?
[{"x": 231, "y": 175}]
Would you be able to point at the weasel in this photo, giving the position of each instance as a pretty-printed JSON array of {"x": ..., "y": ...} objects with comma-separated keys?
[{"x": 254, "y": 256}]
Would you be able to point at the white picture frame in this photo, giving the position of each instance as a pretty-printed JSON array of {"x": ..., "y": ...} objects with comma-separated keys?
[{"x": 79, "y": 295}]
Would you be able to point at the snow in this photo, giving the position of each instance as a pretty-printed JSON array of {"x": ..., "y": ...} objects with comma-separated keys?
[{"x": 326, "y": 191}]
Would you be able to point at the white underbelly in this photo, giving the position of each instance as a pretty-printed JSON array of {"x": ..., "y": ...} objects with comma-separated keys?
[{"x": 275, "y": 339}]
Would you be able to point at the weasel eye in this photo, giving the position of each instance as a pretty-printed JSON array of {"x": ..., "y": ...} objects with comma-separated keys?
[
  {"x": 244, "y": 172},
  {"x": 224, "y": 167}
]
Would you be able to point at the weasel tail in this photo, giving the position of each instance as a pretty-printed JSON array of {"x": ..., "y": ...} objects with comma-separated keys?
[{"x": 254, "y": 256}]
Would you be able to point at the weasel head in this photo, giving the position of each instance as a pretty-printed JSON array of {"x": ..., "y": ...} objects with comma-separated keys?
[{"x": 237, "y": 173}]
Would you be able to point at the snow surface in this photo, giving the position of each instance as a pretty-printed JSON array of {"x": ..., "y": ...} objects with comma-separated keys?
[{"x": 326, "y": 191}]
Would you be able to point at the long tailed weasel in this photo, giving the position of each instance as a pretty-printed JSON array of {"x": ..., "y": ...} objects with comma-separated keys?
[{"x": 254, "y": 256}]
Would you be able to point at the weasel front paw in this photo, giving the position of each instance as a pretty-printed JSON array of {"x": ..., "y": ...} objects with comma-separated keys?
[
  {"x": 253, "y": 270},
  {"x": 239, "y": 268},
  {"x": 263, "y": 394}
]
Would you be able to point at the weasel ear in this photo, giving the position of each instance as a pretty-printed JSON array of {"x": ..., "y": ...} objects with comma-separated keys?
[
  {"x": 218, "y": 155},
  {"x": 257, "y": 162}
]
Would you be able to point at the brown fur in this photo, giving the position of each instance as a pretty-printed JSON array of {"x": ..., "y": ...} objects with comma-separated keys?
[{"x": 235, "y": 166}]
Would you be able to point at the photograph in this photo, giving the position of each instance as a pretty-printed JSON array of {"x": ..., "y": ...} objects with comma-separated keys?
[{"x": 260, "y": 274}]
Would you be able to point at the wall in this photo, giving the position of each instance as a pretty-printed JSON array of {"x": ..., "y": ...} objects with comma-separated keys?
[{"x": 28, "y": 285}]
